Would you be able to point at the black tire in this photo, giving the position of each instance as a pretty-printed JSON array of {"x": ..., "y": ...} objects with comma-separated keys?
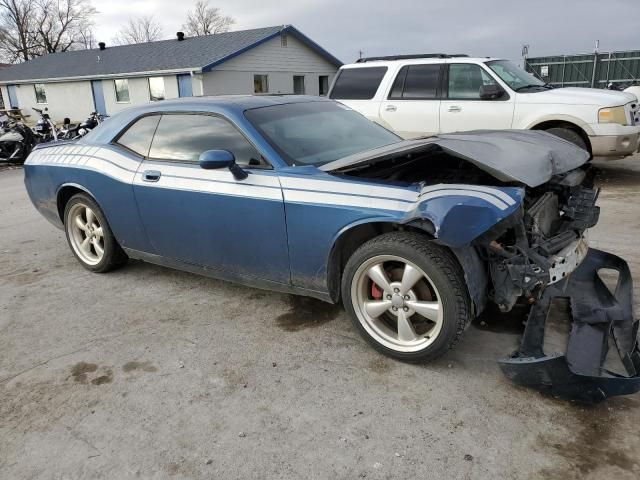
[
  {"x": 113, "y": 256},
  {"x": 570, "y": 136},
  {"x": 443, "y": 271}
]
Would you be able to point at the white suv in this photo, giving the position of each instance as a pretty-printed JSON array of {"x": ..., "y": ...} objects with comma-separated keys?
[{"x": 430, "y": 94}]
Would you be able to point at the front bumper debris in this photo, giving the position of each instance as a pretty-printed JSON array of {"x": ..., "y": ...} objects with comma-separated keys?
[{"x": 603, "y": 325}]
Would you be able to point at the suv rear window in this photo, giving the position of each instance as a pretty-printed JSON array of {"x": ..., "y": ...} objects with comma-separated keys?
[{"x": 357, "y": 83}]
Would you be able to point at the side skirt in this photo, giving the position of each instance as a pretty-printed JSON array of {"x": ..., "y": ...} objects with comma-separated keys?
[{"x": 225, "y": 275}]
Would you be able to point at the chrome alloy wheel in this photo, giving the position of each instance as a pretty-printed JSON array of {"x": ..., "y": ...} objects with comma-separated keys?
[
  {"x": 85, "y": 234},
  {"x": 397, "y": 303}
]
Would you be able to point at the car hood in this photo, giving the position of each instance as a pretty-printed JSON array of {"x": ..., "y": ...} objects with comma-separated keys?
[
  {"x": 578, "y": 96},
  {"x": 524, "y": 156}
]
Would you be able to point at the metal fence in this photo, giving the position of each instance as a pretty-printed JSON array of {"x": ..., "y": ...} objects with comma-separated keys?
[{"x": 594, "y": 70}]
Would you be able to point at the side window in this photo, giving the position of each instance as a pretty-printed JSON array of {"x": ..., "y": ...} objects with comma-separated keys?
[
  {"x": 358, "y": 83},
  {"x": 183, "y": 137},
  {"x": 465, "y": 80},
  {"x": 139, "y": 135},
  {"x": 416, "y": 82}
]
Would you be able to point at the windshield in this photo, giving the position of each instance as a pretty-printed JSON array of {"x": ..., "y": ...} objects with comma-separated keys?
[
  {"x": 314, "y": 133},
  {"x": 514, "y": 76}
]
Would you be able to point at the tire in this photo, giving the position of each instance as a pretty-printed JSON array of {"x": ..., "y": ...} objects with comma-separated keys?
[
  {"x": 441, "y": 281},
  {"x": 570, "y": 136},
  {"x": 93, "y": 245}
]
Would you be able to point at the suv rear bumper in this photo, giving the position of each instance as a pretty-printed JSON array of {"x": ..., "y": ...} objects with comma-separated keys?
[{"x": 615, "y": 141}]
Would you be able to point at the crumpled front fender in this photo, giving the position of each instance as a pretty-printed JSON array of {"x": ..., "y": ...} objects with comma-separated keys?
[{"x": 461, "y": 213}]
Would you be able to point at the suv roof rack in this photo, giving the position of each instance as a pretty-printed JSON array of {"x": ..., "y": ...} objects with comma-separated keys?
[{"x": 408, "y": 57}]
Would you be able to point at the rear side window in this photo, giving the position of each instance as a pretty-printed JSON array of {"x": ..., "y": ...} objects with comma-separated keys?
[
  {"x": 138, "y": 136},
  {"x": 358, "y": 83},
  {"x": 183, "y": 137},
  {"x": 415, "y": 82}
]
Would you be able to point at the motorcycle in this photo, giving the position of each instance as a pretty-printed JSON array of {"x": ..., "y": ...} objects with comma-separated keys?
[
  {"x": 45, "y": 129},
  {"x": 17, "y": 139},
  {"x": 69, "y": 131}
]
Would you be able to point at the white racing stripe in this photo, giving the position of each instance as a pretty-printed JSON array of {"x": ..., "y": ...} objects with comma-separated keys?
[
  {"x": 261, "y": 186},
  {"x": 477, "y": 188},
  {"x": 331, "y": 199},
  {"x": 349, "y": 188},
  {"x": 208, "y": 186}
]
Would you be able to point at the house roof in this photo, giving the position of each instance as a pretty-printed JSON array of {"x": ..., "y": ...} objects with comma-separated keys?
[{"x": 198, "y": 54}]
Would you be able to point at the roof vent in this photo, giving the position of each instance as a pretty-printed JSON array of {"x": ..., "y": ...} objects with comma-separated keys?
[
  {"x": 180, "y": 36},
  {"x": 102, "y": 45}
]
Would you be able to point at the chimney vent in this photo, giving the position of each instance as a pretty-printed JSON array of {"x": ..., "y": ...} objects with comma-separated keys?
[
  {"x": 180, "y": 36},
  {"x": 102, "y": 45}
]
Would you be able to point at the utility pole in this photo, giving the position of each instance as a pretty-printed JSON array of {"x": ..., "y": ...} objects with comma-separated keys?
[
  {"x": 525, "y": 53},
  {"x": 360, "y": 52},
  {"x": 595, "y": 64}
]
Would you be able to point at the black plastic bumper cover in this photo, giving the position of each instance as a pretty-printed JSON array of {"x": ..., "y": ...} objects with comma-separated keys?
[{"x": 601, "y": 320}]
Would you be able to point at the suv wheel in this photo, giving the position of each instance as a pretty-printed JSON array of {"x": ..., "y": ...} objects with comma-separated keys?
[{"x": 569, "y": 135}]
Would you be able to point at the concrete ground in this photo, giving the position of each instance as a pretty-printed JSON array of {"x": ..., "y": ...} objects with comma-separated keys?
[{"x": 152, "y": 373}]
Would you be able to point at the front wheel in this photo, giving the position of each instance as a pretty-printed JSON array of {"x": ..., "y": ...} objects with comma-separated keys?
[
  {"x": 407, "y": 296},
  {"x": 569, "y": 135}
]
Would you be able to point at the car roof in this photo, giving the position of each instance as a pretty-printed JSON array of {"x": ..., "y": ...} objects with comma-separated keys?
[
  {"x": 418, "y": 61},
  {"x": 227, "y": 105}
]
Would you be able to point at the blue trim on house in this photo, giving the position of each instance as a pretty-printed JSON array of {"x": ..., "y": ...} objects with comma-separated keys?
[{"x": 290, "y": 29}]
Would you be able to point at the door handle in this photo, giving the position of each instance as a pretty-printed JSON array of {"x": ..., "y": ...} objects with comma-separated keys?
[
  {"x": 151, "y": 175},
  {"x": 390, "y": 108},
  {"x": 455, "y": 108}
]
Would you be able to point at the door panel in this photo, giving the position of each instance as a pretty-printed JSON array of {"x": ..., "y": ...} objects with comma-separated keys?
[
  {"x": 412, "y": 106},
  {"x": 462, "y": 109},
  {"x": 206, "y": 217},
  {"x": 13, "y": 96},
  {"x": 185, "y": 88},
  {"x": 98, "y": 97}
]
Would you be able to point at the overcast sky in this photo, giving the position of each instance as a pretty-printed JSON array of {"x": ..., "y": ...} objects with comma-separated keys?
[{"x": 481, "y": 27}]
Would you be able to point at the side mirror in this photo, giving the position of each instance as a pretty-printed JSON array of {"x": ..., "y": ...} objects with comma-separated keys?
[
  {"x": 491, "y": 92},
  {"x": 214, "y": 159}
]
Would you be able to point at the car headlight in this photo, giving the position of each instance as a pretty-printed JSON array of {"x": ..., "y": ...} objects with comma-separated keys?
[{"x": 612, "y": 115}]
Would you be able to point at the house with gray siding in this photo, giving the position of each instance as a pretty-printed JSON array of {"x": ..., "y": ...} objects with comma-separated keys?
[{"x": 279, "y": 60}]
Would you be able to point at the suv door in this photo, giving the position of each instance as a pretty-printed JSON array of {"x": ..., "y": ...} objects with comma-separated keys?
[
  {"x": 462, "y": 108},
  {"x": 412, "y": 105},
  {"x": 207, "y": 217}
]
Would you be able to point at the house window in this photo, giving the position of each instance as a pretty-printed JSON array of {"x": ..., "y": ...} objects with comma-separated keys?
[
  {"x": 41, "y": 95},
  {"x": 323, "y": 87},
  {"x": 283, "y": 39},
  {"x": 156, "y": 88},
  {"x": 298, "y": 84},
  {"x": 122, "y": 90},
  {"x": 260, "y": 83}
]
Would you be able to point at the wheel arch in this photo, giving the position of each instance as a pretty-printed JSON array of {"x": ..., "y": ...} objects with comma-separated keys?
[
  {"x": 64, "y": 194},
  {"x": 564, "y": 123},
  {"x": 352, "y": 236}
]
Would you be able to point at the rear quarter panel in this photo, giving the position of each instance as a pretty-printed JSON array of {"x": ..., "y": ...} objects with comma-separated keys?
[{"x": 106, "y": 173}]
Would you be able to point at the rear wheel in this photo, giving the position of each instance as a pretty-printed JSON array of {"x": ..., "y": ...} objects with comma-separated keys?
[
  {"x": 569, "y": 135},
  {"x": 90, "y": 236},
  {"x": 406, "y": 296}
]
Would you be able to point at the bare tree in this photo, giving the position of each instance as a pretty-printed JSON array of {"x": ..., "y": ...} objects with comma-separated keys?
[
  {"x": 63, "y": 24},
  {"x": 30, "y": 28},
  {"x": 206, "y": 20},
  {"x": 139, "y": 30},
  {"x": 17, "y": 19}
]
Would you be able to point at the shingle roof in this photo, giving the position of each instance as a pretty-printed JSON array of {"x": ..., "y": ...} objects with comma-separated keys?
[{"x": 193, "y": 53}]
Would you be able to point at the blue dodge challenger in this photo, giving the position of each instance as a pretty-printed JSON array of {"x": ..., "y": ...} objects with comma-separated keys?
[{"x": 304, "y": 195}]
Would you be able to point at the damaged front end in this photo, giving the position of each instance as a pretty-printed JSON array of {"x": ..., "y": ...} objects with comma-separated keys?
[
  {"x": 537, "y": 254},
  {"x": 541, "y": 254}
]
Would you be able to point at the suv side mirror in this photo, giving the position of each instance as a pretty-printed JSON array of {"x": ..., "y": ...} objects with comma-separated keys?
[
  {"x": 214, "y": 159},
  {"x": 491, "y": 92}
]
